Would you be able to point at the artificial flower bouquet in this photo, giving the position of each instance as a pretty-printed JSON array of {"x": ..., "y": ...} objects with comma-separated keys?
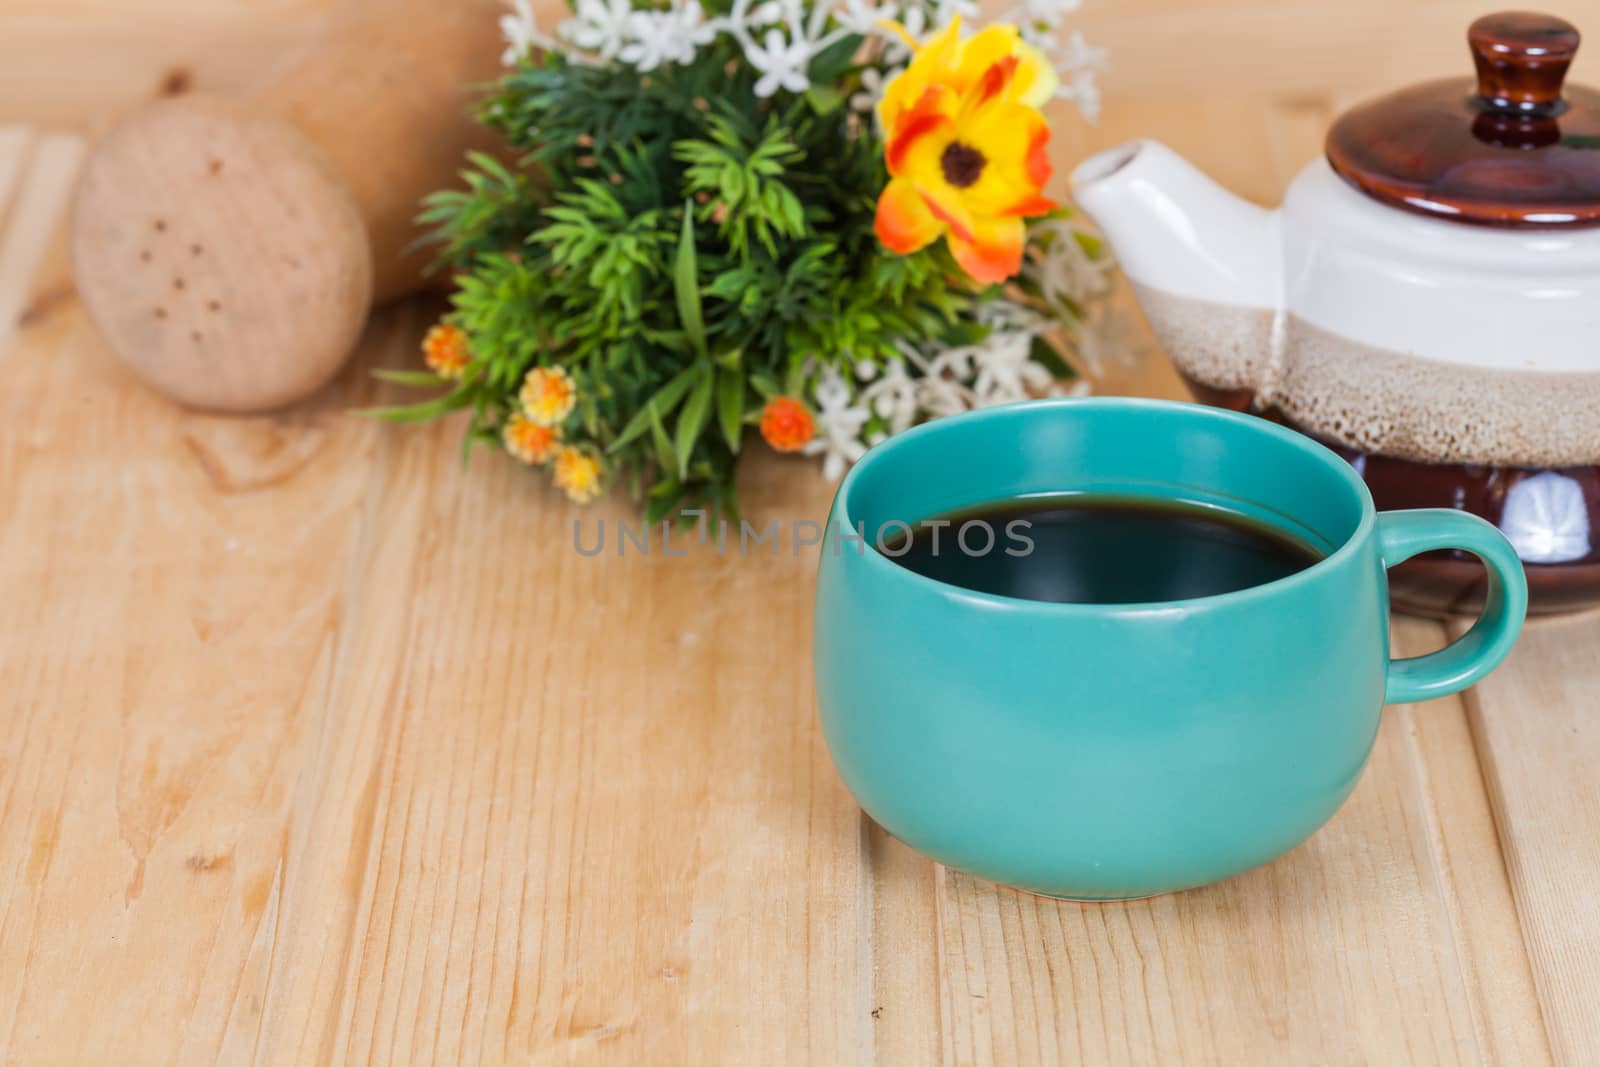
[{"x": 823, "y": 221}]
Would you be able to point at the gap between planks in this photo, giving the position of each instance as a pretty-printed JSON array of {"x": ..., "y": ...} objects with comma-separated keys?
[
  {"x": 1536, "y": 723},
  {"x": 47, "y": 167}
]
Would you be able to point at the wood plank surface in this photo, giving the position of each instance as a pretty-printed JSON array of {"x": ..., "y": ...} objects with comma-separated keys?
[
  {"x": 78, "y": 64},
  {"x": 1537, "y": 726},
  {"x": 316, "y": 747},
  {"x": 172, "y": 589}
]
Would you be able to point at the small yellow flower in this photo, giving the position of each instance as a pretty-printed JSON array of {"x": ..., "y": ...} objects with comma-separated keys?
[
  {"x": 445, "y": 350},
  {"x": 548, "y": 394},
  {"x": 577, "y": 474},
  {"x": 528, "y": 441}
]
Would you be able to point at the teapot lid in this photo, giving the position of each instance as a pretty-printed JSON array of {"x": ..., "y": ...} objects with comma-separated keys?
[{"x": 1510, "y": 150}]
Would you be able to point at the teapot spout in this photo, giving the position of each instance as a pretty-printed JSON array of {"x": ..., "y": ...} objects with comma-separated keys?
[{"x": 1206, "y": 265}]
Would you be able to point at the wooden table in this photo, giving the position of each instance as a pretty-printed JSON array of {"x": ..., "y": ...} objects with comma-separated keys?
[{"x": 316, "y": 748}]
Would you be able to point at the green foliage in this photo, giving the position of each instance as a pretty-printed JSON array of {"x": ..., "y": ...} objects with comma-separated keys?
[{"x": 686, "y": 251}]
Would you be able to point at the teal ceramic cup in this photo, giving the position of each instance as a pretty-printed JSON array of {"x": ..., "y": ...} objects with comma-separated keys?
[{"x": 1104, "y": 752}]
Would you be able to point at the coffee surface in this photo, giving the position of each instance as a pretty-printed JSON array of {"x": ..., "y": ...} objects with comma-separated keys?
[{"x": 1099, "y": 550}]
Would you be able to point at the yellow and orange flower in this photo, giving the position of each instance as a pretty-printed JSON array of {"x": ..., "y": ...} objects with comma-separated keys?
[
  {"x": 528, "y": 441},
  {"x": 548, "y": 395},
  {"x": 967, "y": 149},
  {"x": 445, "y": 350},
  {"x": 786, "y": 425},
  {"x": 578, "y": 474}
]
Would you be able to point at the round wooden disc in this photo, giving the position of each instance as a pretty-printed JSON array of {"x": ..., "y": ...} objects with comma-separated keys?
[{"x": 219, "y": 255}]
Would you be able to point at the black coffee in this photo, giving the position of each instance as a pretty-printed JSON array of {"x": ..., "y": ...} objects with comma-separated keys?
[{"x": 1098, "y": 550}]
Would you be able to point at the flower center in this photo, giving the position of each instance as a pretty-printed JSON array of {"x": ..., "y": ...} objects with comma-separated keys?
[{"x": 962, "y": 164}]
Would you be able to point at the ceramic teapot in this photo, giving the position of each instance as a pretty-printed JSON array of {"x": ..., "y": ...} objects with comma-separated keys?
[{"x": 1426, "y": 300}]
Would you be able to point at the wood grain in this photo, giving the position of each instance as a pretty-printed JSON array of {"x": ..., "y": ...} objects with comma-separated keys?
[
  {"x": 80, "y": 63},
  {"x": 622, "y": 837},
  {"x": 317, "y": 748},
  {"x": 1537, "y": 726},
  {"x": 1183, "y": 48},
  {"x": 40, "y": 170},
  {"x": 165, "y": 645}
]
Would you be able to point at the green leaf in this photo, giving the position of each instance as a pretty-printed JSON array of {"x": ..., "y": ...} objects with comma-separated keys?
[
  {"x": 1045, "y": 354},
  {"x": 730, "y": 406},
  {"x": 658, "y": 435},
  {"x": 430, "y": 409},
  {"x": 794, "y": 381},
  {"x": 692, "y": 420},
  {"x": 409, "y": 377},
  {"x": 824, "y": 99},
  {"x": 765, "y": 385},
  {"x": 658, "y": 406},
  {"x": 830, "y": 64},
  {"x": 686, "y": 280},
  {"x": 728, "y": 497},
  {"x": 662, "y": 503}
]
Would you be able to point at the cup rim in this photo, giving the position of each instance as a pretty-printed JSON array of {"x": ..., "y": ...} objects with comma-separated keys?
[{"x": 1179, "y": 409}]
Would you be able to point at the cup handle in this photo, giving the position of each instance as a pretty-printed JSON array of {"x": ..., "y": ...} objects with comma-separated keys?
[{"x": 1403, "y": 534}]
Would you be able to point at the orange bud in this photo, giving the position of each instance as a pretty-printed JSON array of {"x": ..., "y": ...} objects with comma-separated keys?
[{"x": 786, "y": 425}]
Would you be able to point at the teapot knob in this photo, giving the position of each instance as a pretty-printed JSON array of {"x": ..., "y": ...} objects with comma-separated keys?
[{"x": 1522, "y": 58}]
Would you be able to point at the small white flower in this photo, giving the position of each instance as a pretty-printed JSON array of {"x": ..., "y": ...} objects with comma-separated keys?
[
  {"x": 782, "y": 62},
  {"x": 520, "y": 31},
  {"x": 1048, "y": 12},
  {"x": 942, "y": 389},
  {"x": 861, "y": 16},
  {"x": 1080, "y": 387},
  {"x": 649, "y": 41},
  {"x": 769, "y": 13},
  {"x": 1006, "y": 370},
  {"x": 1546, "y": 519},
  {"x": 945, "y": 11},
  {"x": 672, "y": 36},
  {"x": 893, "y": 397},
  {"x": 1008, "y": 315},
  {"x": 938, "y": 396},
  {"x": 784, "y": 53},
  {"x": 1077, "y": 54},
  {"x": 953, "y": 362},
  {"x": 1059, "y": 265},
  {"x": 598, "y": 26},
  {"x": 1078, "y": 62},
  {"x": 839, "y": 424},
  {"x": 1082, "y": 89},
  {"x": 914, "y": 19},
  {"x": 873, "y": 82},
  {"x": 694, "y": 29}
]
